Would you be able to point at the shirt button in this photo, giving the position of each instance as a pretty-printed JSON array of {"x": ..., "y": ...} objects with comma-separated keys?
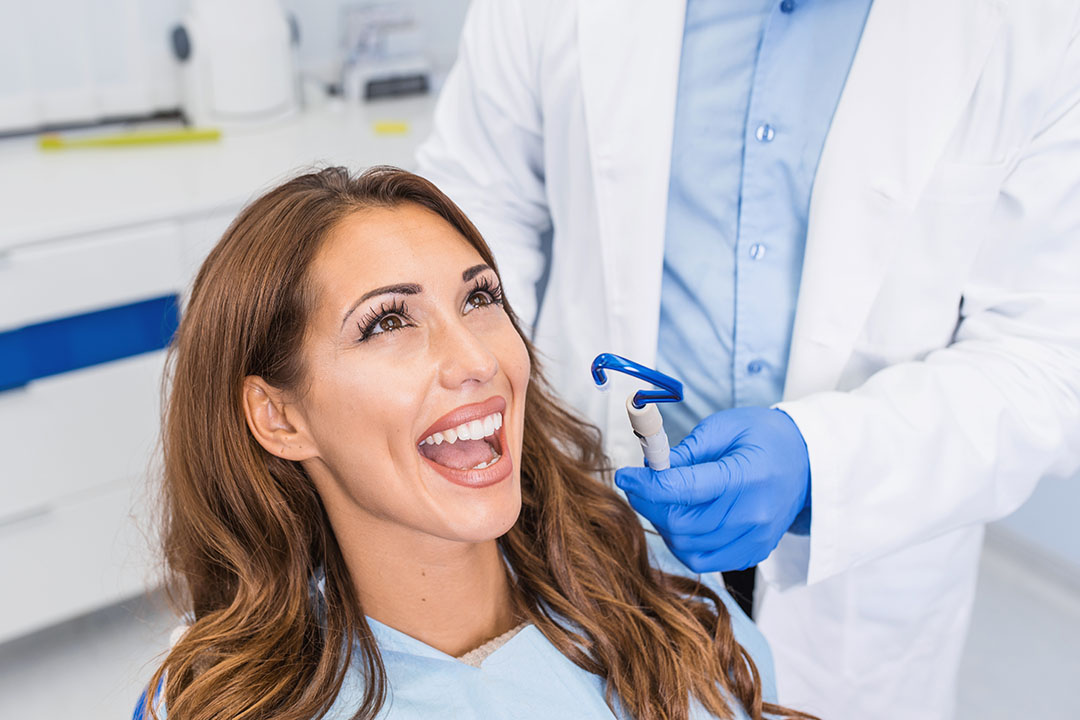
[
  {"x": 757, "y": 251},
  {"x": 755, "y": 366},
  {"x": 765, "y": 133},
  {"x": 787, "y": 6}
]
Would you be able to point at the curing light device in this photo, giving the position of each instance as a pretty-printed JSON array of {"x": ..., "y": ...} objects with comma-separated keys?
[{"x": 641, "y": 406}]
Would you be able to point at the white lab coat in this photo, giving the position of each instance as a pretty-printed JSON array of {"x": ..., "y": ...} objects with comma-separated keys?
[{"x": 935, "y": 358}]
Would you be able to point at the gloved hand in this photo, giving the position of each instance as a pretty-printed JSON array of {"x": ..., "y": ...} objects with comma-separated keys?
[{"x": 735, "y": 486}]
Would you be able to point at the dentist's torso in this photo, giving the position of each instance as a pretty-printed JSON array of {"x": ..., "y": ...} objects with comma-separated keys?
[{"x": 920, "y": 144}]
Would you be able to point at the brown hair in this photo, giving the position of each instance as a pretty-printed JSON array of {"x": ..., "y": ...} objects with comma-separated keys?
[{"x": 244, "y": 531}]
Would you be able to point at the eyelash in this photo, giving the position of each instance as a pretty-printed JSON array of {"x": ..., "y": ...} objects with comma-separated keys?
[{"x": 370, "y": 321}]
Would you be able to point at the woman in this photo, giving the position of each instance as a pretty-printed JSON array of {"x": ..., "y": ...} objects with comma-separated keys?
[{"x": 366, "y": 480}]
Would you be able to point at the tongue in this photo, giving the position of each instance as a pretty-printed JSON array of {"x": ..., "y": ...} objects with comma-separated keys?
[{"x": 463, "y": 454}]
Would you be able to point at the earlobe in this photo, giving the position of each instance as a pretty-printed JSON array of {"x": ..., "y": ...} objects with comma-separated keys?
[{"x": 277, "y": 426}]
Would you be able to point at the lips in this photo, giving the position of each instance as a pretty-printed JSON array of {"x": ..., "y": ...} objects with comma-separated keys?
[{"x": 467, "y": 446}]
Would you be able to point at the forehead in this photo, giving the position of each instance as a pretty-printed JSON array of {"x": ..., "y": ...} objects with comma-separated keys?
[
  {"x": 397, "y": 244},
  {"x": 375, "y": 247}
]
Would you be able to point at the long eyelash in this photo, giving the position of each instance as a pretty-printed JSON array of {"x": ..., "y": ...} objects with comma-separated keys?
[
  {"x": 368, "y": 322},
  {"x": 491, "y": 287}
]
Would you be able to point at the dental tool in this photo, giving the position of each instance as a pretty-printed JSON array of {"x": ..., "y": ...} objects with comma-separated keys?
[{"x": 645, "y": 418}]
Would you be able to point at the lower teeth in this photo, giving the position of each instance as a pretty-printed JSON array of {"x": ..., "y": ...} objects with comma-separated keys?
[{"x": 489, "y": 463}]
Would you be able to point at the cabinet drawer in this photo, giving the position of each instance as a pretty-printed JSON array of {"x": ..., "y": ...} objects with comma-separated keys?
[
  {"x": 70, "y": 433},
  {"x": 77, "y": 558},
  {"x": 79, "y": 275}
]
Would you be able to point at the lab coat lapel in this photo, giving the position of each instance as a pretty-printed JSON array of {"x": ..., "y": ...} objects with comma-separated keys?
[
  {"x": 913, "y": 74},
  {"x": 630, "y": 55}
]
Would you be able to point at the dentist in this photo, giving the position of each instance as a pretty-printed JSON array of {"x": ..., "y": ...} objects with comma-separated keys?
[{"x": 864, "y": 215}]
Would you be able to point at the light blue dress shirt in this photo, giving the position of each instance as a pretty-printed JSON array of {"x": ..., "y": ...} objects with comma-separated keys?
[
  {"x": 525, "y": 679},
  {"x": 759, "y": 82}
]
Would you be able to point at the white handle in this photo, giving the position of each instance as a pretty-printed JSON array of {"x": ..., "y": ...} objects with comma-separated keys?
[{"x": 649, "y": 428}]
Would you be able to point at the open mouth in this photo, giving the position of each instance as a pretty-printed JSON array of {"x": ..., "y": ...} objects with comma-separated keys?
[{"x": 472, "y": 445}]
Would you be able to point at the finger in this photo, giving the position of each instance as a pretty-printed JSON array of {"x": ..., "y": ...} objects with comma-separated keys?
[
  {"x": 726, "y": 536},
  {"x": 744, "y": 551},
  {"x": 682, "y": 519},
  {"x": 739, "y": 554},
  {"x": 690, "y": 485}
]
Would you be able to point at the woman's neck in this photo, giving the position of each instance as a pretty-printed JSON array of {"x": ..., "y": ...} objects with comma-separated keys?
[{"x": 453, "y": 596}]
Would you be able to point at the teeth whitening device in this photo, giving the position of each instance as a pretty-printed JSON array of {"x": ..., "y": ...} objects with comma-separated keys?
[{"x": 641, "y": 406}]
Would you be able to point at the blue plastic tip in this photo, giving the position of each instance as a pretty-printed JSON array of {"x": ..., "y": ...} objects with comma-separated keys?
[{"x": 671, "y": 389}]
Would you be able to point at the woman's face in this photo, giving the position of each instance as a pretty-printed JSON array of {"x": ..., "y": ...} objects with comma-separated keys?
[{"x": 416, "y": 380}]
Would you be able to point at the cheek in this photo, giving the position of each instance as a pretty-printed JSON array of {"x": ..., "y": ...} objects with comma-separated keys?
[
  {"x": 361, "y": 416},
  {"x": 522, "y": 369},
  {"x": 514, "y": 359},
  {"x": 515, "y": 363}
]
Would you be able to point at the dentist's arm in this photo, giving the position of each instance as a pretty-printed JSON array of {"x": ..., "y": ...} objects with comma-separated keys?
[{"x": 486, "y": 150}]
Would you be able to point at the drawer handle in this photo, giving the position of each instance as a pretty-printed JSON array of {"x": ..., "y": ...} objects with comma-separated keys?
[{"x": 79, "y": 341}]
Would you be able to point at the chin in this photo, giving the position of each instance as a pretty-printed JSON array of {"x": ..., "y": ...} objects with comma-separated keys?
[{"x": 488, "y": 521}]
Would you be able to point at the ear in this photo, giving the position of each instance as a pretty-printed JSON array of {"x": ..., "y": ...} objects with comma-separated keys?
[{"x": 277, "y": 425}]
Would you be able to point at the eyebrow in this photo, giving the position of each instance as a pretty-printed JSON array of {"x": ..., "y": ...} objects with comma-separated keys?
[
  {"x": 474, "y": 271},
  {"x": 409, "y": 288}
]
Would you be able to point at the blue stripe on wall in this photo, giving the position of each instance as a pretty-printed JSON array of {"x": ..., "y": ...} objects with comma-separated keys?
[{"x": 79, "y": 341}]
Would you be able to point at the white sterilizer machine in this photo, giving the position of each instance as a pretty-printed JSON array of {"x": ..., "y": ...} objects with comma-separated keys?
[{"x": 237, "y": 62}]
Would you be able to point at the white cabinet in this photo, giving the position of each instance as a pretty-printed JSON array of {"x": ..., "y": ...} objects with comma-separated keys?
[
  {"x": 80, "y": 447},
  {"x": 73, "y": 431},
  {"x": 78, "y": 442}
]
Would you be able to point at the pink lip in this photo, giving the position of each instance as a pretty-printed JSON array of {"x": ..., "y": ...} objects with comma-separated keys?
[
  {"x": 473, "y": 478},
  {"x": 464, "y": 414}
]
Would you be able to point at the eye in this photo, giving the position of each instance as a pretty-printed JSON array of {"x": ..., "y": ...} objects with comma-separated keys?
[
  {"x": 387, "y": 319},
  {"x": 485, "y": 293},
  {"x": 478, "y": 299},
  {"x": 387, "y": 323}
]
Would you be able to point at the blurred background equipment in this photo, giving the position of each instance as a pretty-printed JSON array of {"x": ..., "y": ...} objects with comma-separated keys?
[
  {"x": 238, "y": 62},
  {"x": 70, "y": 63},
  {"x": 383, "y": 48}
]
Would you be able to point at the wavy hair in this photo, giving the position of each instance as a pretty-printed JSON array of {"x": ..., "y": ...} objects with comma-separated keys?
[{"x": 244, "y": 531}]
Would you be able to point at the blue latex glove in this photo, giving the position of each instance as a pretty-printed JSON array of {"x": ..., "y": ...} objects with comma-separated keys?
[{"x": 736, "y": 484}]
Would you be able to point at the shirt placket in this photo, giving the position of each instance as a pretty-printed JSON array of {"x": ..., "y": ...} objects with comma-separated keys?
[{"x": 759, "y": 229}]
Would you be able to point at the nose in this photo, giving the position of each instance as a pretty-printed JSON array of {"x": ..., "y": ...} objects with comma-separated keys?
[{"x": 464, "y": 357}]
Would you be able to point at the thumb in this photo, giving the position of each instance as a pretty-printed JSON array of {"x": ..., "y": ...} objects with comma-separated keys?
[
  {"x": 630, "y": 479},
  {"x": 710, "y": 440}
]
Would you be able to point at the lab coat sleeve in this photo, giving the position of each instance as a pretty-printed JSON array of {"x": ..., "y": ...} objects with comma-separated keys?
[
  {"x": 486, "y": 149},
  {"x": 962, "y": 436}
]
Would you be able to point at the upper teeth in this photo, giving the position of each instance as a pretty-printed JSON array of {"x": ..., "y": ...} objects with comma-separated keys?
[{"x": 472, "y": 430}]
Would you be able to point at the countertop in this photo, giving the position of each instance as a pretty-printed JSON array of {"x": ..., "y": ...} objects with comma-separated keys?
[{"x": 57, "y": 194}]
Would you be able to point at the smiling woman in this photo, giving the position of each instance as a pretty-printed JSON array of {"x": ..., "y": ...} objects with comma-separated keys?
[{"x": 374, "y": 506}]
